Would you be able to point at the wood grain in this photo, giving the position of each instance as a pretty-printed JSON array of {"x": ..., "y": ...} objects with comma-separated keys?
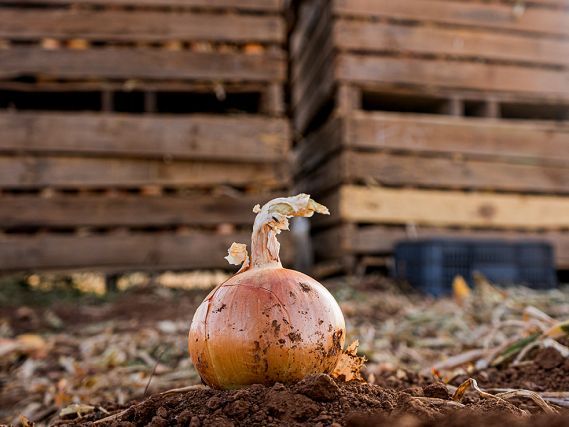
[
  {"x": 451, "y": 208},
  {"x": 117, "y": 63},
  {"x": 121, "y": 252},
  {"x": 224, "y": 137},
  {"x": 500, "y": 140},
  {"x": 385, "y": 37},
  {"x": 72, "y": 172},
  {"x": 141, "y": 25},
  {"x": 477, "y": 14},
  {"x": 452, "y": 74},
  {"x": 435, "y": 172},
  {"x": 246, "y": 5},
  {"x": 70, "y": 211}
]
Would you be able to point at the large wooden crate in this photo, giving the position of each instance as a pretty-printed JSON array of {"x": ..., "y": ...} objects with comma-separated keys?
[
  {"x": 137, "y": 134},
  {"x": 432, "y": 118}
]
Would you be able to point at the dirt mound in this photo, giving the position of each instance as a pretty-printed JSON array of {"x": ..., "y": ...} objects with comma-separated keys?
[{"x": 317, "y": 400}]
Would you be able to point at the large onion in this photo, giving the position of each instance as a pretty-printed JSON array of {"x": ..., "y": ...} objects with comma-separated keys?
[{"x": 267, "y": 323}]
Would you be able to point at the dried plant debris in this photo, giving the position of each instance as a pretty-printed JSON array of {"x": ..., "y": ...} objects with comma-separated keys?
[{"x": 73, "y": 361}]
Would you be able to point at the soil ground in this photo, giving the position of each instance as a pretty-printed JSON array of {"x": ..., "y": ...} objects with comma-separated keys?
[{"x": 113, "y": 357}]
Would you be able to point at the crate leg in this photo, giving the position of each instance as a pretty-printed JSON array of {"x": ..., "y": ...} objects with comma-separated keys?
[
  {"x": 348, "y": 99},
  {"x": 272, "y": 100}
]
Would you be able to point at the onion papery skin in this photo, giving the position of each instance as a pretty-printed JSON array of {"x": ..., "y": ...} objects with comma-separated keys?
[{"x": 266, "y": 325}]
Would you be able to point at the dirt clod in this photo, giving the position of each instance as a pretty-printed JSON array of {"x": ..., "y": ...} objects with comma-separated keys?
[
  {"x": 320, "y": 388},
  {"x": 437, "y": 390}
]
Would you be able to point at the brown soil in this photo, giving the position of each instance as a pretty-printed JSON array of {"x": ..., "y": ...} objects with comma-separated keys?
[
  {"x": 547, "y": 371},
  {"x": 317, "y": 401}
]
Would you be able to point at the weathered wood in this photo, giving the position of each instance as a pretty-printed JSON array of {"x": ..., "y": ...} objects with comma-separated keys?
[
  {"x": 450, "y": 208},
  {"x": 319, "y": 145},
  {"x": 315, "y": 98},
  {"x": 247, "y": 5},
  {"x": 519, "y": 140},
  {"x": 385, "y": 37},
  {"x": 506, "y": 141},
  {"x": 66, "y": 211},
  {"x": 117, "y": 63},
  {"x": 452, "y": 74},
  {"x": 237, "y": 138},
  {"x": 121, "y": 252},
  {"x": 312, "y": 46},
  {"x": 308, "y": 16},
  {"x": 434, "y": 172},
  {"x": 113, "y": 25},
  {"x": 69, "y": 172},
  {"x": 476, "y": 14},
  {"x": 379, "y": 240}
]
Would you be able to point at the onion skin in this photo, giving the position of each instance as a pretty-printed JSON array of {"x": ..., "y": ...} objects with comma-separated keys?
[{"x": 265, "y": 326}]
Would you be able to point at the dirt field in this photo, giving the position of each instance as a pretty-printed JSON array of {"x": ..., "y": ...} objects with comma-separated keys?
[{"x": 77, "y": 360}]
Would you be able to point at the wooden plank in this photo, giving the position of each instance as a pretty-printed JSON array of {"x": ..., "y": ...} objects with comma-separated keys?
[
  {"x": 246, "y": 5},
  {"x": 380, "y": 240},
  {"x": 128, "y": 251},
  {"x": 452, "y": 74},
  {"x": 196, "y": 136},
  {"x": 386, "y": 37},
  {"x": 503, "y": 140},
  {"x": 117, "y": 25},
  {"x": 123, "y": 63},
  {"x": 65, "y": 211},
  {"x": 451, "y": 208},
  {"x": 68, "y": 172},
  {"x": 483, "y": 15},
  {"x": 433, "y": 172}
]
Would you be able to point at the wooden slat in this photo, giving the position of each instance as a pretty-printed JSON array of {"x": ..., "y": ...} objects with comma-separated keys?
[
  {"x": 384, "y": 37},
  {"x": 246, "y": 5},
  {"x": 236, "y": 138},
  {"x": 113, "y": 25},
  {"x": 403, "y": 170},
  {"x": 451, "y": 208},
  {"x": 504, "y": 140},
  {"x": 120, "y": 252},
  {"x": 115, "y": 63},
  {"x": 380, "y": 240},
  {"x": 69, "y": 172},
  {"x": 452, "y": 74},
  {"x": 484, "y": 15},
  {"x": 60, "y": 211}
]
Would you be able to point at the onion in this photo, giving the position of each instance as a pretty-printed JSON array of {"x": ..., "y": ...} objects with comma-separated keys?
[{"x": 267, "y": 324}]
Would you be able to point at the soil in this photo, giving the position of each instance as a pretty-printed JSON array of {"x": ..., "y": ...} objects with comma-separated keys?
[
  {"x": 547, "y": 371},
  {"x": 317, "y": 400}
]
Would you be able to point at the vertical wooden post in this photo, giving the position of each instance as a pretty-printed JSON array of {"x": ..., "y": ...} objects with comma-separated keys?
[
  {"x": 272, "y": 100},
  {"x": 107, "y": 100},
  {"x": 348, "y": 99},
  {"x": 150, "y": 101}
]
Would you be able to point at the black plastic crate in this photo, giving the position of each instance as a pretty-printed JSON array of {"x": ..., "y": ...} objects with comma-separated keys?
[{"x": 430, "y": 265}]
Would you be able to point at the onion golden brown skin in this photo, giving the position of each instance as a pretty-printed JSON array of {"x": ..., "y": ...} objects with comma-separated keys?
[{"x": 267, "y": 324}]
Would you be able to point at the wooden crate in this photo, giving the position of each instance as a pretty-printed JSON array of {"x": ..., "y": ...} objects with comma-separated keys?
[
  {"x": 476, "y": 56},
  {"x": 385, "y": 172},
  {"x": 426, "y": 118},
  {"x": 138, "y": 134}
]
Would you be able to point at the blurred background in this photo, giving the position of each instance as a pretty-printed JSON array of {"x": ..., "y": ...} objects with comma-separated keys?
[{"x": 137, "y": 135}]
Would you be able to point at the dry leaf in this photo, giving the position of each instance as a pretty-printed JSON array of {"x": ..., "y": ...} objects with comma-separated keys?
[{"x": 349, "y": 364}]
